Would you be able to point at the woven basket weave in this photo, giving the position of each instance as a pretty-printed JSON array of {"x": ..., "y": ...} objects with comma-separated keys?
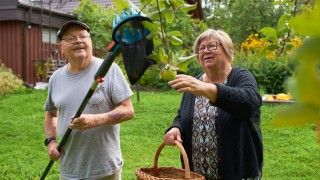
[{"x": 168, "y": 173}]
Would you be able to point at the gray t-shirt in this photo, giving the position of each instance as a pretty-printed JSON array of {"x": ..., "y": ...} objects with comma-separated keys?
[{"x": 96, "y": 152}]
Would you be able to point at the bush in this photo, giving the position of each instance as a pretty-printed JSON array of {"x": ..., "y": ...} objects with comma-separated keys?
[
  {"x": 271, "y": 74},
  {"x": 9, "y": 82}
]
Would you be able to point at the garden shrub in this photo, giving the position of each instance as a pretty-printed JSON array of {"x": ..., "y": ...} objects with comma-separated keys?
[
  {"x": 268, "y": 61},
  {"x": 271, "y": 74},
  {"x": 9, "y": 82}
]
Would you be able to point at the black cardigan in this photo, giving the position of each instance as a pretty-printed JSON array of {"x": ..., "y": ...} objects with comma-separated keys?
[{"x": 240, "y": 147}]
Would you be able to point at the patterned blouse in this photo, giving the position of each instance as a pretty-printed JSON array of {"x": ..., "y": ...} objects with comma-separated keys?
[{"x": 204, "y": 138}]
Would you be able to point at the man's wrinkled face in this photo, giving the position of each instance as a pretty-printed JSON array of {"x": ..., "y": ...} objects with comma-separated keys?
[{"x": 76, "y": 43}]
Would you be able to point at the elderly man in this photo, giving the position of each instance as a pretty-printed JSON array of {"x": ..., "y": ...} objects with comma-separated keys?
[{"x": 93, "y": 147}]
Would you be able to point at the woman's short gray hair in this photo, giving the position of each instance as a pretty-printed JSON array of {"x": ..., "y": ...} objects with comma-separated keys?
[{"x": 223, "y": 38}]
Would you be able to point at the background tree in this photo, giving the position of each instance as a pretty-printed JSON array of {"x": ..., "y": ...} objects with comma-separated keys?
[
  {"x": 100, "y": 21},
  {"x": 240, "y": 18}
]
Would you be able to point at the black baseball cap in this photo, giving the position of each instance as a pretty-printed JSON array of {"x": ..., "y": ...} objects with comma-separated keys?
[{"x": 67, "y": 24}]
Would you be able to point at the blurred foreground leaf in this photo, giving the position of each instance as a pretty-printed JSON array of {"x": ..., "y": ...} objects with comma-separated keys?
[
  {"x": 297, "y": 115},
  {"x": 310, "y": 51},
  {"x": 308, "y": 22},
  {"x": 308, "y": 83},
  {"x": 305, "y": 84}
]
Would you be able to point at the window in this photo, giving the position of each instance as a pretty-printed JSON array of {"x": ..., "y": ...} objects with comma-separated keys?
[{"x": 46, "y": 35}]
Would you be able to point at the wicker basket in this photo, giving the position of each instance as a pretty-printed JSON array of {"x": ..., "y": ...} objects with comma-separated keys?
[{"x": 168, "y": 173}]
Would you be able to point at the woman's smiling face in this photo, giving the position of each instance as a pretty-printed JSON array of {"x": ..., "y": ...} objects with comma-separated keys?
[{"x": 211, "y": 54}]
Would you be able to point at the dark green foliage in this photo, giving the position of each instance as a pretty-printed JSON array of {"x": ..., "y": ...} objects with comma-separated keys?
[
  {"x": 100, "y": 21},
  {"x": 271, "y": 74},
  {"x": 240, "y": 18}
]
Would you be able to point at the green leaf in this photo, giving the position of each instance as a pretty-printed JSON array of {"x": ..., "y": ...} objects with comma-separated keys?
[
  {"x": 297, "y": 115},
  {"x": 184, "y": 62},
  {"x": 155, "y": 57},
  {"x": 152, "y": 27},
  {"x": 188, "y": 7},
  {"x": 163, "y": 56},
  {"x": 175, "y": 40},
  {"x": 307, "y": 23},
  {"x": 169, "y": 15},
  {"x": 171, "y": 55},
  {"x": 176, "y": 3},
  {"x": 175, "y": 33},
  {"x": 269, "y": 32},
  {"x": 122, "y": 4},
  {"x": 309, "y": 51},
  {"x": 284, "y": 19},
  {"x": 154, "y": 16},
  {"x": 272, "y": 39},
  {"x": 151, "y": 35}
]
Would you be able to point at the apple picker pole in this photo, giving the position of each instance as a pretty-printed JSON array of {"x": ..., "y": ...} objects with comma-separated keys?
[{"x": 129, "y": 38}]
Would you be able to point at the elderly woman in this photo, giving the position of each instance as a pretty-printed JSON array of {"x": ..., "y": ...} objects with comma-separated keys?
[{"x": 218, "y": 121}]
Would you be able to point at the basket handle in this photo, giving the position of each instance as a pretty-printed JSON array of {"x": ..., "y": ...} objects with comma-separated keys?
[{"x": 184, "y": 155}]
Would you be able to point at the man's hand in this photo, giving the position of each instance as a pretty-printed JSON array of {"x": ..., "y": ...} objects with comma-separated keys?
[
  {"x": 53, "y": 152},
  {"x": 84, "y": 122}
]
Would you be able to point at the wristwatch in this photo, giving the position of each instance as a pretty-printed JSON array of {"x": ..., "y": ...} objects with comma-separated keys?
[{"x": 47, "y": 140}]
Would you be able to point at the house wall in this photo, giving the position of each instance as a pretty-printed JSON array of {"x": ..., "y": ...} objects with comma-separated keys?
[
  {"x": 11, "y": 32},
  {"x": 21, "y": 37},
  {"x": 21, "y": 46}
]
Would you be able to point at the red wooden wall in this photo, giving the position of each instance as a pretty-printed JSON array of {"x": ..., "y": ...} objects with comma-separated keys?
[{"x": 21, "y": 46}]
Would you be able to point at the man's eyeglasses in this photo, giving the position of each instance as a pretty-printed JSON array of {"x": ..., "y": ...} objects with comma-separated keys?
[
  {"x": 211, "y": 46},
  {"x": 72, "y": 39}
]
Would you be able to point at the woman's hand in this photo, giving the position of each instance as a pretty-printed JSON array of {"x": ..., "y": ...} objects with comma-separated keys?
[
  {"x": 171, "y": 135},
  {"x": 186, "y": 83}
]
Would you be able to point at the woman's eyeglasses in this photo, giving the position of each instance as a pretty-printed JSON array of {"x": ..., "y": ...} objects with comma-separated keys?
[
  {"x": 72, "y": 39},
  {"x": 211, "y": 46}
]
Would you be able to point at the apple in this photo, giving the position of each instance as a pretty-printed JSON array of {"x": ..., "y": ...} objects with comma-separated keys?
[{"x": 168, "y": 73}]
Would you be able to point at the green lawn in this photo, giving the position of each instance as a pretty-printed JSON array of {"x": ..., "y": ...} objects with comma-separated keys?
[{"x": 290, "y": 152}]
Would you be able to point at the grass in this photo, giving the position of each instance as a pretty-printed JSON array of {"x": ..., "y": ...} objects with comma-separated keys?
[{"x": 289, "y": 152}]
